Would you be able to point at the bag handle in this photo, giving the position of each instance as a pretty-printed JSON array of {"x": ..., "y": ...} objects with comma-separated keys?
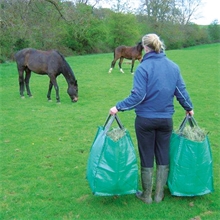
[
  {"x": 191, "y": 120},
  {"x": 119, "y": 122},
  {"x": 110, "y": 120}
]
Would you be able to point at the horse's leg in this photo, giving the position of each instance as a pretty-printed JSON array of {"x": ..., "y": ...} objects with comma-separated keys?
[
  {"x": 120, "y": 62},
  {"x": 57, "y": 92},
  {"x": 112, "y": 65},
  {"x": 27, "y": 79},
  {"x": 49, "y": 91},
  {"x": 54, "y": 82},
  {"x": 132, "y": 65},
  {"x": 21, "y": 82}
]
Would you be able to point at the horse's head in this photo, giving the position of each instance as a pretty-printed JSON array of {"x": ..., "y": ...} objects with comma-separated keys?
[
  {"x": 140, "y": 46},
  {"x": 73, "y": 91}
]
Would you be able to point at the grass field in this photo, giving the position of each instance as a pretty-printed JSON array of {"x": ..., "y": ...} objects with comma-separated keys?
[{"x": 45, "y": 145}]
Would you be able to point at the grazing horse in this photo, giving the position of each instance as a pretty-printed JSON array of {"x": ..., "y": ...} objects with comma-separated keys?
[
  {"x": 50, "y": 63},
  {"x": 131, "y": 53}
]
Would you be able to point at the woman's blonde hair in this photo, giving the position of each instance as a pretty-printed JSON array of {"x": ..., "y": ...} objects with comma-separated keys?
[{"x": 153, "y": 42}]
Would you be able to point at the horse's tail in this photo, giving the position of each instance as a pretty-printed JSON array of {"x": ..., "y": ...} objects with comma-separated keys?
[{"x": 114, "y": 54}]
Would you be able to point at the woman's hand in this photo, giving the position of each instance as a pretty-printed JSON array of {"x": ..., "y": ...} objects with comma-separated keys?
[
  {"x": 113, "y": 110},
  {"x": 191, "y": 113}
]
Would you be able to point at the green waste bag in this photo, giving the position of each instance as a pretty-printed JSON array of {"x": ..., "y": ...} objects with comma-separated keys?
[
  {"x": 112, "y": 164},
  {"x": 190, "y": 171}
]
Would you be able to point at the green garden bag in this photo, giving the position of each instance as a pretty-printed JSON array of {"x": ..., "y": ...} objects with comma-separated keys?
[
  {"x": 112, "y": 164},
  {"x": 190, "y": 171}
]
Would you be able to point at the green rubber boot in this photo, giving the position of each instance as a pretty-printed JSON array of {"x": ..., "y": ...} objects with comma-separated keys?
[
  {"x": 147, "y": 184},
  {"x": 161, "y": 179}
]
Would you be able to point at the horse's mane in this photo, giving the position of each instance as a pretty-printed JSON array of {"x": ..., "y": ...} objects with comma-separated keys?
[
  {"x": 66, "y": 64},
  {"x": 63, "y": 58},
  {"x": 61, "y": 55}
]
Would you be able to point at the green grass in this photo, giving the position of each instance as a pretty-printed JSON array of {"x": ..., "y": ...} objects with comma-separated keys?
[{"x": 45, "y": 145}]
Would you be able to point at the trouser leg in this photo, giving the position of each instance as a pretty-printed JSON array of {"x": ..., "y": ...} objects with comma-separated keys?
[
  {"x": 146, "y": 141},
  {"x": 153, "y": 136}
]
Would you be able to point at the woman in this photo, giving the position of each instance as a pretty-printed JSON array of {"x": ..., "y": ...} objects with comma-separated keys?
[{"x": 156, "y": 81}]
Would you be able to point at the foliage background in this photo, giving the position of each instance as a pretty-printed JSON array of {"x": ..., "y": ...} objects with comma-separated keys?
[{"x": 81, "y": 27}]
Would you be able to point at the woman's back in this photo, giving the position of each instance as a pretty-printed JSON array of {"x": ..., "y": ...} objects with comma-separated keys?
[{"x": 161, "y": 76}]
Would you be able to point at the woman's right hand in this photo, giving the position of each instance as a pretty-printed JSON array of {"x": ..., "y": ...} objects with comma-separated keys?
[
  {"x": 113, "y": 110},
  {"x": 191, "y": 113}
]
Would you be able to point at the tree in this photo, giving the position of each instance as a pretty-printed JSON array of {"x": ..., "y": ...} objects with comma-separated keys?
[
  {"x": 123, "y": 30},
  {"x": 13, "y": 19},
  {"x": 85, "y": 29},
  {"x": 122, "y": 6},
  {"x": 187, "y": 10},
  {"x": 214, "y": 31},
  {"x": 91, "y": 3},
  {"x": 176, "y": 11},
  {"x": 81, "y": 26}
]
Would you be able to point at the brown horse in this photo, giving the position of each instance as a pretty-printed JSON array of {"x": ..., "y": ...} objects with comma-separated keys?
[
  {"x": 50, "y": 63},
  {"x": 131, "y": 53}
]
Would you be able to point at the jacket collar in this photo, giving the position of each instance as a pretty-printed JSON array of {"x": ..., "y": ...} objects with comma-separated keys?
[{"x": 153, "y": 54}]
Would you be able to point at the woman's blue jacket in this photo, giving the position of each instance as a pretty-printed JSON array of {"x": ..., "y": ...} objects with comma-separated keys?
[{"x": 157, "y": 80}]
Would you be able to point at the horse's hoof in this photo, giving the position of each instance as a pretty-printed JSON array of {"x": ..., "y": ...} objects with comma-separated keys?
[
  {"x": 49, "y": 100},
  {"x": 22, "y": 97},
  {"x": 30, "y": 96},
  {"x": 121, "y": 71},
  {"x": 58, "y": 102}
]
